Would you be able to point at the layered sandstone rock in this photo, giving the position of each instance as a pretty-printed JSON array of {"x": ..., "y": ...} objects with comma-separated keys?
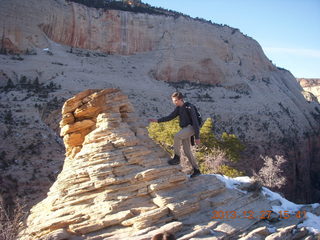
[{"x": 116, "y": 184}]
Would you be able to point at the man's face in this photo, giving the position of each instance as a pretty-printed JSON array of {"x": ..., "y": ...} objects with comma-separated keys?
[{"x": 177, "y": 102}]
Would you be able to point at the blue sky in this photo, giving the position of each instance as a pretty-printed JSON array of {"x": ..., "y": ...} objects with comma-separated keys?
[{"x": 287, "y": 30}]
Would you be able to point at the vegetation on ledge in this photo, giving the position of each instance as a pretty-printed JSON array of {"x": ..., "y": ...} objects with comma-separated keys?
[{"x": 136, "y": 7}]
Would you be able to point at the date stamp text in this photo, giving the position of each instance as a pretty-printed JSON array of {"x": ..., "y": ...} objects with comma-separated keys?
[{"x": 256, "y": 215}]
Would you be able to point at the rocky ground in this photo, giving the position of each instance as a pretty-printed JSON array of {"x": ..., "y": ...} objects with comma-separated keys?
[{"x": 116, "y": 184}]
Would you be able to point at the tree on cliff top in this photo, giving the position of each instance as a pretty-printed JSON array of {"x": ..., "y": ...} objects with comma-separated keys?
[{"x": 271, "y": 174}]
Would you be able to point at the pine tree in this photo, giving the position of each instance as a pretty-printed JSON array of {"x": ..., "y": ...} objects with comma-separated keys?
[
  {"x": 36, "y": 84},
  {"x": 208, "y": 142},
  {"x": 207, "y": 137},
  {"x": 9, "y": 85},
  {"x": 232, "y": 145}
]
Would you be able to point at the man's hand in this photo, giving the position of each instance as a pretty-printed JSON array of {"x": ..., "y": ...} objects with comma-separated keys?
[
  {"x": 197, "y": 141},
  {"x": 153, "y": 120}
]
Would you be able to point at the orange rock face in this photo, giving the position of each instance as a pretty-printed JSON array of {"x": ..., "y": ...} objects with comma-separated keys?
[
  {"x": 187, "y": 50},
  {"x": 79, "y": 116}
]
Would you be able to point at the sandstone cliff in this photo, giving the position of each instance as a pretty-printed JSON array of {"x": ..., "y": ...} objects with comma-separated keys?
[
  {"x": 116, "y": 184},
  {"x": 224, "y": 72},
  {"x": 187, "y": 50}
]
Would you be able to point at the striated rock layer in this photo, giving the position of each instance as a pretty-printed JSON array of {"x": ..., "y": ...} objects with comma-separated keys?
[
  {"x": 116, "y": 184},
  {"x": 188, "y": 50}
]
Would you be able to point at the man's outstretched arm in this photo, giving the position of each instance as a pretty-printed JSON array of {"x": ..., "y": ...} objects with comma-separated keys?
[{"x": 171, "y": 116}]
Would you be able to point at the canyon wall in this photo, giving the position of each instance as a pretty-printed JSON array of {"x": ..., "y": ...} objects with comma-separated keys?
[{"x": 188, "y": 50}]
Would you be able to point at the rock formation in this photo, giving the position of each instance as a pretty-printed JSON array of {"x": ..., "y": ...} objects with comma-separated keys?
[
  {"x": 116, "y": 184},
  {"x": 231, "y": 81},
  {"x": 188, "y": 50},
  {"x": 311, "y": 87}
]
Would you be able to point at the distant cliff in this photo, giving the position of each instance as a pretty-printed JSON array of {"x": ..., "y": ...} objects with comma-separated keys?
[
  {"x": 188, "y": 50},
  {"x": 311, "y": 85}
]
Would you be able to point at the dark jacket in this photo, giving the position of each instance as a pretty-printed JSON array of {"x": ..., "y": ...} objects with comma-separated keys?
[{"x": 187, "y": 116}]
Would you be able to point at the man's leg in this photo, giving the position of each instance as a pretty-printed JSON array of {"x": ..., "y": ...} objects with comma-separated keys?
[
  {"x": 178, "y": 138},
  {"x": 187, "y": 150},
  {"x": 184, "y": 133},
  {"x": 183, "y": 138}
]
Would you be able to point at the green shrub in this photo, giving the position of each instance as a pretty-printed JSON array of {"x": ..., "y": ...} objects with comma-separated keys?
[
  {"x": 163, "y": 133},
  {"x": 230, "y": 171},
  {"x": 208, "y": 140},
  {"x": 208, "y": 143},
  {"x": 232, "y": 145}
]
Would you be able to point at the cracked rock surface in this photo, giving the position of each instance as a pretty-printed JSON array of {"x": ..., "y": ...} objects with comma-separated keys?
[{"x": 116, "y": 184}]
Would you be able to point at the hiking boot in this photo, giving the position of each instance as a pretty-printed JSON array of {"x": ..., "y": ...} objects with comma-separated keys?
[
  {"x": 175, "y": 160},
  {"x": 196, "y": 172}
]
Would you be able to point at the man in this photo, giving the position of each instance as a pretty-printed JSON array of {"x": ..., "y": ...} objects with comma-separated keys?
[{"x": 190, "y": 127}]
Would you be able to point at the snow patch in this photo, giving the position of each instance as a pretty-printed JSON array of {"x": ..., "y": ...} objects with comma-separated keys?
[
  {"x": 233, "y": 183},
  {"x": 312, "y": 222},
  {"x": 285, "y": 204}
]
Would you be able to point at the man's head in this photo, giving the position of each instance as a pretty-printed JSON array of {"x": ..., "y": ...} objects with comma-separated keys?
[{"x": 177, "y": 99}]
